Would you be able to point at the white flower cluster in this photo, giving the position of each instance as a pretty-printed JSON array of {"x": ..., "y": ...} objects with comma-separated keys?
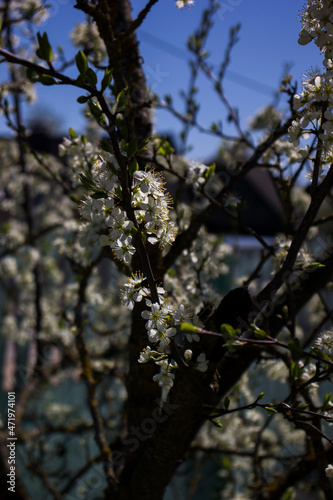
[
  {"x": 80, "y": 155},
  {"x": 304, "y": 257},
  {"x": 324, "y": 342},
  {"x": 24, "y": 87},
  {"x": 266, "y": 118},
  {"x": 151, "y": 204},
  {"x": 180, "y": 4},
  {"x": 134, "y": 291},
  {"x": 315, "y": 101},
  {"x": 329, "y": 470},
  {"x": 162, "y": 321},
  {"x": 317, "y": 22},
  {"x": 69, "y": 242},
  {"x": 107, "y": 221},
  {"x": 195, "y": 174},
  {"x": 201, "y": 364},
  {"x": 158, "y": 321},
  {"x": 307, "y": 371},
  {"x": 18, "y": 282},
  {"x": 35, "y": 10},
  {"x": 283, "y": 153}
]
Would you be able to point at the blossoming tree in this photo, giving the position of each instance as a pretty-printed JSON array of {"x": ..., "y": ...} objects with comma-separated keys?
[{"x": 104, "y": 275}]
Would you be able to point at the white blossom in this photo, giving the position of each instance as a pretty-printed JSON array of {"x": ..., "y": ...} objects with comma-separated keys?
[
  {"x": 188, "y": 355},
  {"x": 165, "y": 377},
  {"x": 145, "y": 355},
  {"x": 180, "y": 4},
  {"x": 202, "y": 363},
  {"x": 324, "y": 342},
  {"x": 329, "y": 470},
  {"x": 195, "y": 174}
]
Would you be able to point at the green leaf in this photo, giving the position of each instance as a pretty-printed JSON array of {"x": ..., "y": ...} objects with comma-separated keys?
[
  {"x": 217, "y": 423},
  {"x": 168, "y": 99},
  {"x": 87, "y": 181},
  {"x": 294, "y": 370},
  {"x": 259, "y": 334},
  {"x": 105, "y": 145},
  {"x": 327, "y": 401},
  {"x": 83, "y": 99},
  {"x": 44, "y": 50},
  {"x": 260, "y": 396},
  {"x": 133, "y": 166},
  {"x": 226, "y": 402},
  {"x": 319, "y": 353},
  {"x": 91, "y": 77},
  {"x": 210, "y": 171},
  {"x": 270, "y": 409},
  {"x": 227, "y": 464},
  {"x": 32, "y": 75},
  {"x": 289, "y": 494},
  {"x": 95, "y": 110},
  {"x": 72, "y": 133},
  {"x": 47, "y": 80},
  {"x": 118, "y": 192},
  {"x": 121, "y": 126},
  {"x": 143, "y": 144},
  {"x": 228, "y": 330},
  {"x": 99, "y": 194},
  {"x": 315, "y": 265},
  {"x": 295, "y": 348},
  {"x": 74, "y": 198},
  {"x": 165, "y": 148},
  {"x": 5, "y": 228},
  {"x": 123, "y": 99},
  {"x": 232, "y": 343},
  {"x": 132, "y": 148},
  {"x": 111, "y": 167},
  {"x": 107, "y": 78},
  {"x": 81, "y": 62},
  {"x": 81, "y": 80},
  {"x": 188, "y": 328}
]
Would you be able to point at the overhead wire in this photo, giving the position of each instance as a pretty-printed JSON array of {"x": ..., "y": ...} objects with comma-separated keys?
[{"x": 233, "y": 76}]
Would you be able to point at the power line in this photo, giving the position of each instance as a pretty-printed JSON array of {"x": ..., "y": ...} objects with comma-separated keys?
[{"x": 233, "y": 76}]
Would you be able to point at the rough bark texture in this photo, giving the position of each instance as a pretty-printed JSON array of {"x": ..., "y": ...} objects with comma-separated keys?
[{"x": 114, "y": 19}]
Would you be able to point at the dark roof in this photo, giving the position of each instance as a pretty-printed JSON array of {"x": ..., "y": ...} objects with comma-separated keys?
[{"x": 263, "y": 212}]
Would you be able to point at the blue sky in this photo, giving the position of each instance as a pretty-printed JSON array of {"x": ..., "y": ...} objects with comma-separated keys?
[{"x": 268, "y": 41}]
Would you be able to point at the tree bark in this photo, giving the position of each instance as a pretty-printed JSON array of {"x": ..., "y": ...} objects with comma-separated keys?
[{"x": 114, "y": 21}]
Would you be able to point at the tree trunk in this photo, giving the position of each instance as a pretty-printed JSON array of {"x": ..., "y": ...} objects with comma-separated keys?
[{"x": 114, "y": 20}]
